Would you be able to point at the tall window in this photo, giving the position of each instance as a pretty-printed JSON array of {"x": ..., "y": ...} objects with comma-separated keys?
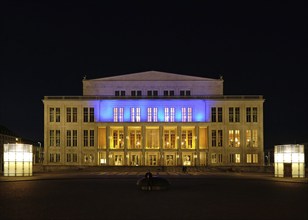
[
  {"x": 74, "y": 138},
  {"x": 234, "y": 114},
  {"x": 187, "y": 114},
  {"x": 88, "y": 114},
  {"x": 169, "y": 138},
  {"x": 54, "y": 114},
  {"x": 152, "y": 137},
  {"x": 54, "y": 138},
  {"x": 234, "y": 138},
  {"x": 118, "y": 114},
  {"x": 252, "y": 138},
  {"x": 71, "y": 114},
  {"x": 152, "y": 114},
  {"x": 117, "y": 140},
  {"x": 134, "y": 138},
  {"x": 169, "y": 114},
  {"x": 168, "y": 92},
  {"x": 252, "y": 114},
  {"x": 217, "y": 138},
  {"x": 216, "y": 114},
  {"x": 135, "y": 114},
  {"x": 88, "y": 138},
  {"x": 187, "y": 139}
]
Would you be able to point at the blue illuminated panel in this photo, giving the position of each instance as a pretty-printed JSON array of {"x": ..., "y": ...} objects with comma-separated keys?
[{"x": 107, "y": 106}]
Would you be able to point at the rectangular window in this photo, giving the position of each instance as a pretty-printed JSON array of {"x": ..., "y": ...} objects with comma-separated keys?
[
  {"x": 85, "y": 115},
  {"x": 216, "y": 114},
  {"x": 134, "y": 138},
  {"x": 169, "y": 138},
  {"x": 68, "y": 158},
  {"x": 68, "y": 138},
  {"x": 85, "y": 138},
  {"x": 52, "y": 138},
  {"x": 213, "y": 158},
  {"x": 231, "y": 115},
  {"x": 217, "y": 138},
  {"x": 214, "y": 138},
  {"x": 187, "y": 114},
  {"x": 71, "y": 114},
  {"x": 152, "y": 137},
  {"x": 135, "y": 114},
  {"x": 91, "y": 138},
  {"x": 74, "y": 158},
  {"x": 172, "y": 114},
  {"x": 57, "y": 114},
  {"x": 187, "y": 140},
  {"x": 166, "y": 114},
  {"x": 152, "y": 114},
  {"x": 184, "y": 116},
  {"x": 155, "y": 93},
  {"x": 74, "y": 114},
  {"x": 248, "y": 114},
  {"x": 219, "y": 158},
  {"x": 117, "y": 140},
  {"x": 133, "y": 93},
  {"x": 88, "y": 114},
  {"x": 118, "y": 114},
  {"x": 184, "y": 92},
  {"x": 57, "y": 138},
  {"x": 255, "y": 158},
  {"x": 237, "y": 114},
  {"x": 74, "y": 138},
  {"x": 51, "y": 114},
  {"x": 122, "y": 93},
  {"x": 252, "y": 138},
  {"x": 213, "y": 114},
  {"x": 220, "y": 138},
  {"x": 68, "y": 114},
  {"x": 254, "y": 115},
  {"x": 58, "y": 158},
  {"x": 150, "y": 93},
  {"x": 91, "y": 119},
  {"x": 139, "y": 93},
  {"x": 234, "y": 138},
  {"x": 248, "y": 158},
  {"x": 219, "y": 114}
]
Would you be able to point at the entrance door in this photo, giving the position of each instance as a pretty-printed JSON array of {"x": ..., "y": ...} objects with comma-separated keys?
[{"x": 287, "y": 167}]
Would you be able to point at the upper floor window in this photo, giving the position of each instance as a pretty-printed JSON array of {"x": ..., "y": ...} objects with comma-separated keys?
[
  {"x": 187, "y": 114},
  {"x": 71, "y": 114},
  {"x": 252, "y": 114},
  {"x": 185, "y": 93},
  {"x": 252, "y": 138},
  {"x": 152, "y": 114},
  {"x": 118, "y": 114},
  {"x": 88, "y": 114},
  {"x": 71, "y": 138},
  {"x": 169, "y": 114},
  {"x": 152, "y": 93},
  {"x": 168, "y": 92},
  {"x": 54, "y": 114},
  {"x": 135, "y": 114},
  {"x": 119, "y": 93},
  {"x": 234, "y": 114},
  {"x": 216, "y": 114},
  {"x": 54, "y": 138},
  {"x": 136, "y": 93}
]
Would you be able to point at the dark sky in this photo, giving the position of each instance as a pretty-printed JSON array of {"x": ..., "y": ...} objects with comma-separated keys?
[{"x": 259, "y": 49}]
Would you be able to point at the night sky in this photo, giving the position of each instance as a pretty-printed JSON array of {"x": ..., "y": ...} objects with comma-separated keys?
[{"x": 259, "y": 49}]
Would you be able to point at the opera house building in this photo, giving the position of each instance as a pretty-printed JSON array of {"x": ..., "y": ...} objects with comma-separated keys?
[{"x": 153, "y": 119}]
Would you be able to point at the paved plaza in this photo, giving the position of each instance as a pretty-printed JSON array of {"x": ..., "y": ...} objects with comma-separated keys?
[{"x": 114, "y": 195}]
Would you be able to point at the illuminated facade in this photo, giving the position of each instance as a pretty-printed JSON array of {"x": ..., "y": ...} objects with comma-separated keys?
[{"x": 153, "y": 119}]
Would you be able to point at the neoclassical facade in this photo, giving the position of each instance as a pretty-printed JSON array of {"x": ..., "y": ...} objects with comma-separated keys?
[{"x": 153, "y": 119}]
